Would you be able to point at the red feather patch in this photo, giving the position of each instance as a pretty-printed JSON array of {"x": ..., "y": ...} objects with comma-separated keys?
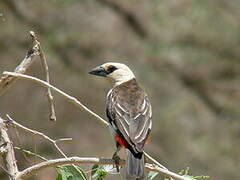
[{"x": 121, "y": 140}]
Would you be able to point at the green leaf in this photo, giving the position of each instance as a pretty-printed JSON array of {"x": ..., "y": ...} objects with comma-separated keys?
[
  {"x": 94, "y": 170},
  {"x": 99, "y": 172},
  {"x": 70, "y": 172},
  {"x": 152, "y": 175}
]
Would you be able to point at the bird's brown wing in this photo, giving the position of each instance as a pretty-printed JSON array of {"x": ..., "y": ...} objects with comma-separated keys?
[
  {"x": 132, "y": 121},
  {"x": 141, "y": 124}
]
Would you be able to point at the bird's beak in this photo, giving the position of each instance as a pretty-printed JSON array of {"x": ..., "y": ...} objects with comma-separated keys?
[{"x": 98, "y": 71}]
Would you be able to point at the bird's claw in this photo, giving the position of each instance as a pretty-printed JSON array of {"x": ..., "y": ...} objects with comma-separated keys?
[{"x": 116, "y": 159}]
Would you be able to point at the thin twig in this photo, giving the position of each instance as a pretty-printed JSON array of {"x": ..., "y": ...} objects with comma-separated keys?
[
  {"x": 31, "y": 153},
  {"x": 68, "y": 97},
  {"x": 154, "y": 160},
  {"x": 165, "y": 172},
  {"x": 54, "y": 142},
  {"x": 47, "y": 77},
  {"x": 18, "y": 142}
]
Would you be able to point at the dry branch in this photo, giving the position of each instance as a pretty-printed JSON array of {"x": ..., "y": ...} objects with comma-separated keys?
[
  {"x": 57, "y": 162},
  {"x": 47, "y": 78},
  {"x": 54, "y": 142},
  {"x": 158, "y": 167},
  {"x": 8, "y": 155},
  {"x": 68, "y": 97},
  {"x": 88, "y": 160}
]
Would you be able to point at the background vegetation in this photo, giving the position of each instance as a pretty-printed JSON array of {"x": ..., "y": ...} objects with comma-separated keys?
[{"x": 185, "y": 53}]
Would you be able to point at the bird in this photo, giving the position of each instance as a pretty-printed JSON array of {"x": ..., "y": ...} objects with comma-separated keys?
[{"x": 129, "y": 114}]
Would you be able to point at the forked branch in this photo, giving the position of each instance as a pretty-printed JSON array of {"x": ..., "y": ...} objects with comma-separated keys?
[{"x": 54, "y": 142}]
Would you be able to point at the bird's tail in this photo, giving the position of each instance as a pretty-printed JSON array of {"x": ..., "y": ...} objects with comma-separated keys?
[{"x": 134, "y": 167}]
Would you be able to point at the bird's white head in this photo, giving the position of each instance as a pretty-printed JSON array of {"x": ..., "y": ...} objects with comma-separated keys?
[{"x": 117, "y": 72}]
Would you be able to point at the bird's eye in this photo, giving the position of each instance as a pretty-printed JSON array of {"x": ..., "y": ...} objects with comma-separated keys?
[{"x": 110, "y": 69}]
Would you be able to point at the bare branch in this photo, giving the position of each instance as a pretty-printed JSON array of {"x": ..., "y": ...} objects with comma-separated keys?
[
  {"x": 57, "y": 162},
  {"x": 47, "y": 78},
  {"x": 9, "y": 156},
  {"x": 89, "y": 160},
  {"x": 54, "y": 142},
  {"x": 165, "y": 172},
  {"x": 68, "y": 97},
  {"x": 154, "y": 160}
]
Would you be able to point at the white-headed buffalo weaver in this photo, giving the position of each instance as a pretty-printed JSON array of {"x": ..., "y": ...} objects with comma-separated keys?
[{"x": 129, "y": 113}]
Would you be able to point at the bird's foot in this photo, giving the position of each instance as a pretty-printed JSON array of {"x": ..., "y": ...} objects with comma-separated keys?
[{"x": 116, "y": 159}]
